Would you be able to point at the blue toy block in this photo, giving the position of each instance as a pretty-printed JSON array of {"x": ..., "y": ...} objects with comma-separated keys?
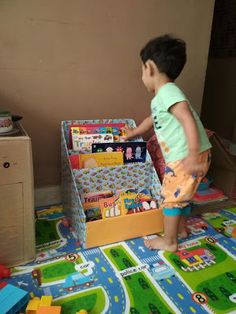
[{"x": 12, "y": 299}]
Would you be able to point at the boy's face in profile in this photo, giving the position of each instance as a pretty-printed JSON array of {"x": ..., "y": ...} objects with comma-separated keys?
[{"x": 147, "y": 78}]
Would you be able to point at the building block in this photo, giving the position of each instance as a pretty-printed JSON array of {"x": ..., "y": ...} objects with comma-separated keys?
[
  {"x": 33, "y": 306},
  {"x": 4, "y": 272},
  {"x": 12, "y": 299},
  {"x": 42, "y": 306},
  {"x": 49, "y": 310},
  {"x": 45, "y": 301},
  {"x": 3, "y": 284}
]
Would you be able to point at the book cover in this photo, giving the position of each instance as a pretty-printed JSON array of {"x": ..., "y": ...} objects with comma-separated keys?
[
  {"x": 116, "y": 129},
  {"x": 95, "y": 196},
  {"x": 93, "y": 128},
  {"x": 74, "y": 160},
  {"x": 110, "y": 207},
  {"x": 83, "y": 142},
  {"x": 100, "y": 160},
  {"x": 132, "y": 151},
  {"x": 133, "y": 202},
  {"x": 208, "y": 195}
]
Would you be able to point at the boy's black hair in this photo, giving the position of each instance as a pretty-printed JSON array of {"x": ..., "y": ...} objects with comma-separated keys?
[{"x": 168, "y": 54}]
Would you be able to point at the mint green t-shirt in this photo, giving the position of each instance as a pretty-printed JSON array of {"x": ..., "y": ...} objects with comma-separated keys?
[{"x": 168, "y": 129}]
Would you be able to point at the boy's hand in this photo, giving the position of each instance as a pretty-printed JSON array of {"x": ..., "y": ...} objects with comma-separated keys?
[
  {"x": 130, "y": 133},
  {"x": 143, "y": 127},
  {"x": 192, "y": 166}
]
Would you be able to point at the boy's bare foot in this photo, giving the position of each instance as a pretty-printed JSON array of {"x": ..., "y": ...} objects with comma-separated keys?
[{"x": 159, "y": 243}]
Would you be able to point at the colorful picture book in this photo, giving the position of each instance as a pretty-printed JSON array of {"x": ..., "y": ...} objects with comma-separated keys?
[
  {"x": 132, "y": 201},
  {"x": 103, "y": 128},
  {"x": 74, "y": 160},
  {"x": 82, "y": 143},
  {"x": 95, "y": 196},
  {"x": 110, "y": 207},
  {"x": 132, "y": 151},
  {"x": 100, "y": 160},
  {"x": 116, "y": 129},
  {"x": 91, "y": 204}
]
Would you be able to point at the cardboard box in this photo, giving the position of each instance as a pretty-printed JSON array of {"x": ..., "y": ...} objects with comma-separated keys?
[{"x": 17, "y": 233}]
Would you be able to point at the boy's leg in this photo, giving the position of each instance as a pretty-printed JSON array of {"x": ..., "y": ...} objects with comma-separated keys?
[
  {"x": 182, "y": 232},
  {"x": 169, "y": 241}
]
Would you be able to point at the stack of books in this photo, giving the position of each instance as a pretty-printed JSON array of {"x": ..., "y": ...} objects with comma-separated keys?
[{"x": 207, "y": 193}]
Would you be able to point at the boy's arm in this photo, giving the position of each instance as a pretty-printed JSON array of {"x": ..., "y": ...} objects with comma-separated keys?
[
  {"x": 143, "y": 127},
  {"x": 184, "y": 115}
]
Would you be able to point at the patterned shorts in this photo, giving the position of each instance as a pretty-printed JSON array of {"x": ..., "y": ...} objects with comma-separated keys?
[{"x": 179, "y": 187}]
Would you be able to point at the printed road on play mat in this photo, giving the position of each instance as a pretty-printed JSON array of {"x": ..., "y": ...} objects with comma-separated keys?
[{"x": 126, "y": 277}]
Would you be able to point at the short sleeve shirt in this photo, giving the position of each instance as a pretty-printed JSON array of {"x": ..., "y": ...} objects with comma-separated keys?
[{"x": 169, "y": 131}]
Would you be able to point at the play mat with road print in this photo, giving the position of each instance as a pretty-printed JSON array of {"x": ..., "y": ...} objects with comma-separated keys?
[{"x": 125, "y": 277}]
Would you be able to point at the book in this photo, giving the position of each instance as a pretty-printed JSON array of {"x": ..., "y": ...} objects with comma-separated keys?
[
  {"x": 132, "y": 151},
  {"x": 92, "y": 211},
  {"x": 110, "y": 207},
  {"x": 99, "y": 128},
  {"x": 91, "y": 204},
  {"x": 134, "y": 202},
  {"x": 208, "y": 195},
  {"x": 116, "y": 129},
  {"x": 83, "y": 142},
  {"x": 100, "y": 160},
  {"x": 95, "y": 196},
  {"x": 74, "y": 160}
]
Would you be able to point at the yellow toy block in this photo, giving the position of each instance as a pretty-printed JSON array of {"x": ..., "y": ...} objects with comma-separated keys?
[
  {"x": 33, "y": 306},
  {"x": 45, "y": 301},
  {"x": 49, "y": 310}
]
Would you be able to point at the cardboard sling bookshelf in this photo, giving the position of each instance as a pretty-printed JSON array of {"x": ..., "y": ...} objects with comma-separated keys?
[{"x": 75, "y": 182}]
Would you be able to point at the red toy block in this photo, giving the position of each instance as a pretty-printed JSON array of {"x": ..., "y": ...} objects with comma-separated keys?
[
  {"x": 3, "y": 284},
  {"x": 4, "y": 272}
]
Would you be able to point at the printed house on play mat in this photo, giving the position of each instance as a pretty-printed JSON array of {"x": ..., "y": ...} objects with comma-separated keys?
[{"x": 128, "y": 176}]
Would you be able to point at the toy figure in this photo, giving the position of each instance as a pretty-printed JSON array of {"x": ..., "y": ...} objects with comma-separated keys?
[
  {"x": 128, "y": 153},
  {"x": 138, "y": 152}
]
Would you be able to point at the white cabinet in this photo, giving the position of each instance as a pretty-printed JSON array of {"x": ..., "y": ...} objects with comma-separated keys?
[{"x": 17, "y": 232}]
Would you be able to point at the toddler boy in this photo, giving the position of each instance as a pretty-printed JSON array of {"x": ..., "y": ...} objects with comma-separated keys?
[{"x": 183, "y": 140}]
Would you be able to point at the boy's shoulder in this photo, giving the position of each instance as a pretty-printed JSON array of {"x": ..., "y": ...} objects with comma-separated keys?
[
  {"x": 170, "y": 87},
  {"x": 171, "y": 90},
  {"x": 168, "y": 95}
]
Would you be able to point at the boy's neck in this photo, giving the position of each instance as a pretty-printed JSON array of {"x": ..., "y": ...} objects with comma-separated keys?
[{"x": 161, "y": 80}]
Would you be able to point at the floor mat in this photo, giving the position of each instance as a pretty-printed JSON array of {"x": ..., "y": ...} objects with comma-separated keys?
[{"x": 126, "y": 277}]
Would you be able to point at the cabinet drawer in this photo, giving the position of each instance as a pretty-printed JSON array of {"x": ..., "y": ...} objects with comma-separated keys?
[
  {"x": 11, "y": 224},
  {"x": 14, "y": 161}
]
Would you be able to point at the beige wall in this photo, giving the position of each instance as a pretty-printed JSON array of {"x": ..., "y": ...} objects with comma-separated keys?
[{"x": 79, "y": 59}]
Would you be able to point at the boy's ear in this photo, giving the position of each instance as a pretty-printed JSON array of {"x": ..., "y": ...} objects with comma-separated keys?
[{"x": 151, "y": 67}]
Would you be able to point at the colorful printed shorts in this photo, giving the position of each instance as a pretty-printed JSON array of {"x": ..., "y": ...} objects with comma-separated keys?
[{"x": 178, "y": 187}]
